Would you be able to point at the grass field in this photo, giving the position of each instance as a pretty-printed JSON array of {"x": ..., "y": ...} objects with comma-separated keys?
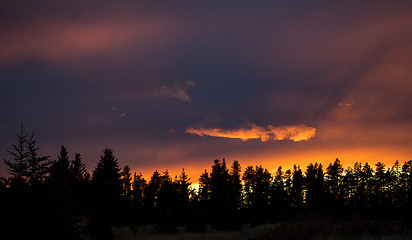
[
  {"x": 296, "y": 230},
  {"x": 148, "y": 233}
]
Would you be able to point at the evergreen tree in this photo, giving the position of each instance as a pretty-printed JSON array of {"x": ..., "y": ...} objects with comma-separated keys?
[
  {"x": 60, "y": 170},
  {"x": 184, "y": 187},
  {"x": 333, "y": 181},
  {"x": 298, "y": 182},
  {"x": 125, "y": 208},
  {"x": 380, "y": 185},
  {"x": 394, "y": 184},
  {"x": 349, "y": 183},
  {"x": 368, "y": 182},
  {"x": 107, "y": 185},
  {"x": 257, "y": 192},
  {"x": 219, "y": 201},
  {"x": 278, "y": 195},
  {"x": 184, "y": 192},
  {"x": 201, "y": 207},
  {"x": 18, "y": 168},
  {"x": 235, "y": 187},
  {"x": 248, "y": 179},
  {"x": 151, "y": 195},
  {"x": 406, "y": 181},
  {"x": 168, "y": 202},
  {"x": 288, "y": 188},
  {"x": 78, "y": 171},
  {"x": 204, "y": 187},
  {"x": 138, "y": 187},
  {"x": 166, "y": 195},
  {"x": 315, "y": 186},
  {"x": 107, "y": 173},
  {"x": 235, "y": 194},
  {"x": 126, "y": 178},
  {"x": 359, "y": 192},
  {"x": 38, "y": 167}
]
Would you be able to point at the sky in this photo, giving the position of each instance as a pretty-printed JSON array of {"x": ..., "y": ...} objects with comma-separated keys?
[{"x": 178, "y": 84}]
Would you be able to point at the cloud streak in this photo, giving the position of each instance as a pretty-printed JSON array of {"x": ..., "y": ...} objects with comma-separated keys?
[
  {"x": 295, "y": 133},
  {"x": 178, "y": 92}
]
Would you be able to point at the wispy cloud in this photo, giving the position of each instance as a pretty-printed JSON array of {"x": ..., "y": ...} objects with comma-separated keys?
[
  {"x": 295, "y": 133},
  {"x": 344, "y": 104},
  {"x": 178, "y": 92}
]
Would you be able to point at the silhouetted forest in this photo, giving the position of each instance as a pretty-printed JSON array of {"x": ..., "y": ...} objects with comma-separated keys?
[{"x": 59, "y": 199}]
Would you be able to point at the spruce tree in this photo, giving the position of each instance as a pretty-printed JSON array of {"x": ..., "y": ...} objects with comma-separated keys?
[
  {"x": 60, "y": 169},
  {"x": 18, "y": 167},
  {"x": 314, "y": 184},
  {"x": 235, "y": 195},
  {"x": 278, "y": 194},
  {"x": 235, "y": 187},
  {"x": 219, "y": 201},
  {"x": 333, "y": 181},
  {"x": 138, "y": 197},
  {"x": 107, "y": 172},
  {"x": 38, "y": 167},
  {"x": 204, "y": 188},
  {"x": 126, "y": 182},
  {"x": 78, "y": 171},
  {"x": 107, "y": 186},
  {"x": 297, "y": 187}
]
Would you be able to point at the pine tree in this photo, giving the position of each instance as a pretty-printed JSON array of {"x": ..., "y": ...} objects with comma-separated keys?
[
  {"x": 380, "y": 185},
  {"x": 248, "y": 179},
  {"x": 18, "y": 168},
  {"x": 107, "y": 189},
  {"x": 368, "y": 182},
  {"x": 235, "y": 195},
  {"x": 219, "y": 201},
  {"x": 204, "y": 187},
  {"x": 168, "y": 202},
  {"x": 137, "y": 201},
  {"x": 288, "y": 188},
  {"x": 235, "y": 187},
  {"x": 349, "y": 187},
  {"x": 258, "y": 182},
  {"x": 107, "y": 173},
  {"x": 78, "y": 171},
  {"x": 138, "y": 186},
  {"x": 126, "y": 182},
  {"x": 38, "y": 167},
  {"x": 151, "y": 193},
  {"x": 278, "y": 194},
  {"x": 168, "y": 192},
  {"x": 297, "y": 187},
  {"x": 60, "y": 169},
  {"x": 184, "y": 186},
  {"x": 333, "y": 180},
  {"x": 406, "y": 181},
  {"x": 314, "y": 185}
]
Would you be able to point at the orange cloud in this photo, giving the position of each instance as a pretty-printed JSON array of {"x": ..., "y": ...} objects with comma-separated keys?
[{"x": 296, "y": 133}]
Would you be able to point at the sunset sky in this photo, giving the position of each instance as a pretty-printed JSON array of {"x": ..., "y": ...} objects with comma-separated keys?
[{"x": 172, "y": 84}]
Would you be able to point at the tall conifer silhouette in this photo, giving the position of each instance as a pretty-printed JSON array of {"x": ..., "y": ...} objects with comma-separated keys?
[
  {"x": 18, "y": 167},
  {"x": 107, "y": 187}
]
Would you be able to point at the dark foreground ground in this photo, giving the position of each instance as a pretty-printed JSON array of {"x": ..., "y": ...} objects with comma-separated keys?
[{"x": 294, "y": 230}]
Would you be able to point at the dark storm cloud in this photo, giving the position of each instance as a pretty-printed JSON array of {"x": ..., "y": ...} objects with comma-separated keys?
[{"x": 65, "y": 66}]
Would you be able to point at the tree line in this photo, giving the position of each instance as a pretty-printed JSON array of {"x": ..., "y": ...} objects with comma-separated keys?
[{"x": 60, "y": 199}]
